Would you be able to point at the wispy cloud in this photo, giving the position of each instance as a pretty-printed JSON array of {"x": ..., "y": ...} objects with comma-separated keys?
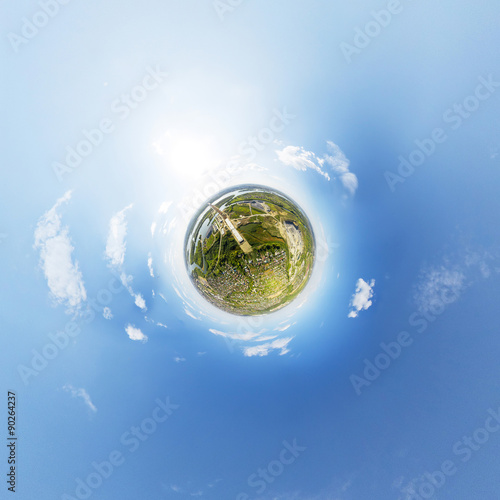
[
  {"x": 164, "y": 207},
  {"x": 361, "y": 300},
  {"x": 63, "y": 276},
  {"x": 237, "y": 336},
  {"x": 107, "y": 313},
  {"x": 436, "y": 282},
  {"x": 334, "y": 162},
  {"x": 300, "y": 159},
  {"x": 135, "y": 333},
  {"x": 116, "y": 247},
  {"x": 340, "y": 166},
  {"x": 82, "y": 394},
  {"x": 283, "y": 327},
  {"x": 265, "y": 349},
  {"x": 191, "y": 314},
  {"x": 150, "y": 266},
  {"x": 116, "y": 244}
]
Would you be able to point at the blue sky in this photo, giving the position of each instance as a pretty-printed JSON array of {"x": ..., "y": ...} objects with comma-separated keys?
[{"x": 381, "y": 120}]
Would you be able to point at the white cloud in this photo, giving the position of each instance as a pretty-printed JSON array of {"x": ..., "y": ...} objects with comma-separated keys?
[
  {"x": 164, "y": 207},
  {"x": 438, "y": 285},
  {"x": 153, "y": 228},
  {"x": 115, "y": 253},
  {"x": 178, "y": 359},
  {"x": 107, "y": 313},
  {"x": 135, "y": 333},
  {"x": 283, "y": 327},
  {"x": 80, "y": 393},
  {"x": 150, "y": 266},
  {"x": 140, "y": 302},
  {"x": 340, "y": 165},
  {"x": 190, "y": 314},
  {"x": 265, "y": 349},
  {"x": 265, "y": 338},
  {"x": 335, "y": 161},
  {"x": 237, "y": 336},
  {"x": 361, "y": 300},
  {"x": 116, "y": 245},
  {"x": 63, "y": 276},
  {"x": 300, "y": 159}
]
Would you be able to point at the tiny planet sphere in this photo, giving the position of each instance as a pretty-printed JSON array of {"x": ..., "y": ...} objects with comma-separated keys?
[{"x": 250, "y": 250}]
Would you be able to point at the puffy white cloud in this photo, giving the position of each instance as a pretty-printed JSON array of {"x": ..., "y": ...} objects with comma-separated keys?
[
  {"x": 64, "y": 279},
  {"x": 335, "y": 161},
  {"x": 82, "y": 394},
  {"x": 116, "y": 244},
  {"x": 178, "y": 359},
  {"x": 361, "y": 300},
  {"x": 107, "y": 313},
  {"x": 265, "y": 349},
  {"x": 135, "y": 333},
  {"x": 140, "y": 302}
]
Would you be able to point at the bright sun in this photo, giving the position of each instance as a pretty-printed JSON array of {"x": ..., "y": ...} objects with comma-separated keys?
[{"x": 187, "y": 155}]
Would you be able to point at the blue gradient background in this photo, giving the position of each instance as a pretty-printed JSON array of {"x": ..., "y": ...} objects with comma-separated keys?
[{"x": 225, "y": 77}]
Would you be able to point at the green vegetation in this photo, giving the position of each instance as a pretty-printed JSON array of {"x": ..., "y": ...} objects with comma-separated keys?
[{"x": 257, "y": 262}]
